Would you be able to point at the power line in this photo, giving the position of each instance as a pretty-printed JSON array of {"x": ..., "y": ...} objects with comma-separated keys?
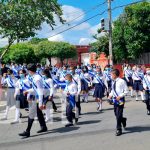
[
  {"x": 94, "y": 17},
  {"x": 86, "y": 12}
]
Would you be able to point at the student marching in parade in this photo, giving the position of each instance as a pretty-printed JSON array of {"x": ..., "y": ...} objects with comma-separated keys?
[
  {"x": 70, "y": 93},
  {"x": 36, "y": 106},
  {"x": 128, "y": 78},
  {"x": 9, "y": 80},
  {"x": 100, "y": 87},
  {"x": 118, "y": 92},
  {"x": 22, "y": 85},
  {"x": 48, "y": 93},
  {"x": 85, "y": 83},
  {"x": 76, "y": 79},
  {"x": 146, "y": 85},
  {"x": 107, "y": 74},
  {"x": 137, "y": 77}
]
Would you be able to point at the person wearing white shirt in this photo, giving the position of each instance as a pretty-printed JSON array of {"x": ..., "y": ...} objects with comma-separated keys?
[
  {"x": 85, "y": 83},
  {"x": 118, "y": 92},
  {"x": 146, "y": 85},
  {"x": 137, "y": 77},
  {"x": 48, "y": 93},
  {"x": 128, "y": 78},
  {"x": 76, "y": 79},
  {"x": 37, "y": 104},
  {"x": 22, "y": 85},
  {"x": 10, "y": 81},
  {"x": 70, "y": 93},
  {"x": 100, "y": 87}
]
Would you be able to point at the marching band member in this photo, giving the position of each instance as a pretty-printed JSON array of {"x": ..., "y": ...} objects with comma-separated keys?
[
  {"x": 118, "y": 92},
  {"x": 146, "y": 85}
]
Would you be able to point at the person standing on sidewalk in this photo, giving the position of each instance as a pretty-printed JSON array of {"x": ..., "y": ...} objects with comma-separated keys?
[
  {"x": 118, "y": 92},
  {"x": 36, "y": 106}
]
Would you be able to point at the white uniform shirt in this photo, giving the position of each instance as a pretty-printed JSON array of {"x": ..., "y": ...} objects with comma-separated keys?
[
  {"x": 137, "y": 75},
  {"x": 71, "y": 88},
  {"x": 37, "y": 87},
  {"x": 76, "y": 79},
  {"x": 121, "y": 88},
  {"x": 49, "y": 90},
  {"x": 9, "y": 81},
  {"x": 146, "y": 82}
]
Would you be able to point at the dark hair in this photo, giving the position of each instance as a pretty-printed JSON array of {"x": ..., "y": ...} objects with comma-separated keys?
[
  {"x": 9, "y": 71},
  {"x": 23, "y": 71},
  {"x": 47, "y": 73},
  {"x": 116, "y": 72},
  {"x": 38, "y": 65},
  {"x": 31, "y": 67}
]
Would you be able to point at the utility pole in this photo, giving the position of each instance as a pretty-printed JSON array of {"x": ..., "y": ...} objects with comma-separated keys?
[{"x": 110, "y": 33}]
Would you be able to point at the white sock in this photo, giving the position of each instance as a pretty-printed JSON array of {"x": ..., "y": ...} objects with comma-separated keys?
[
  {"x": 136, "y": 95},
  {"x": 86, "y": 97},
  {"x": 100, "y": 106},
  {"x": 131, "y": 92},
  {"x": 17, "y": 114},
  {"x": 142, "y": 96},
  {"x": 47, "y": 113},
  {"x": 7, "y": 110}
]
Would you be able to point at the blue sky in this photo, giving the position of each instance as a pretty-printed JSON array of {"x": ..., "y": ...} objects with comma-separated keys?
[{"x": 82, "y": 34}]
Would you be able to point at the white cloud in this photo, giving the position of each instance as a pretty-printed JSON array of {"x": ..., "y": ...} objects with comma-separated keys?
[
  {"x": 94, "y": 29},
  {"x": 83, "y": 26},
  {"x": 70, "y": 13},
  {"x": 84, "y": 41},
  {"x": 57, "y": 38},
  {"x": 3, "y": 42}
]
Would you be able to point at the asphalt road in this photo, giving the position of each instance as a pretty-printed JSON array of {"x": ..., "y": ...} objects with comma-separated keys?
[{"x": 94, "y": 131}]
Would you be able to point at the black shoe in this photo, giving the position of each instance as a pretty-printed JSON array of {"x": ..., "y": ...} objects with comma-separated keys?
[
  {"x": 25, "y": 134},
  {"x": 76, "y": 120},
  {"x": 20, "y": 115},
  {"x": 124, "y": 123},
  {"x": 69, "y": 125},
  {"x": 148, "y": 112},
  {"x": 118, "y": 132},
  {"x": 42, "y": 130},
  {"x": 144, "y": 101}
]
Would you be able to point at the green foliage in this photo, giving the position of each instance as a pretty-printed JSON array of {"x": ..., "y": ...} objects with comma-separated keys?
[
  {"x": 37, "y": 40},
  {"x": 21, "y": 53},
  {"x": 101, "y": 45},
  {"x": 20, "y": 19},
  {"x": 64, "y": 50},
  {"x": 131, "y": 33}
]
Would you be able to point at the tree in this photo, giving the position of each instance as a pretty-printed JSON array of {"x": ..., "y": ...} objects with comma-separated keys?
[
  {"x": 44, "y": 49},
  {"x": 20, "y": 20},
  {"x": 132, "y": 32},
  {"x": 37, "y": 40},
  {"x": 120, "y": 50},
  {"x": 101, "y": 45},
  {"x": 21, "y": 53},
  {"x": 64, "y": 50}
]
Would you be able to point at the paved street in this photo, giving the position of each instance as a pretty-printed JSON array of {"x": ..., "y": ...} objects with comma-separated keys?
[{"x": 94, "y": 130}]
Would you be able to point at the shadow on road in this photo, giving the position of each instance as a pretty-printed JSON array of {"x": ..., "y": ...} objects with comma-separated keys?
[
  {"x": 135, "y": 129},
  {"x": 89, "y": 122}
]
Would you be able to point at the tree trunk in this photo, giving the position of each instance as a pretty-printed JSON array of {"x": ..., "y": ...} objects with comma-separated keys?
[{"x": 50, "y": 61}]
